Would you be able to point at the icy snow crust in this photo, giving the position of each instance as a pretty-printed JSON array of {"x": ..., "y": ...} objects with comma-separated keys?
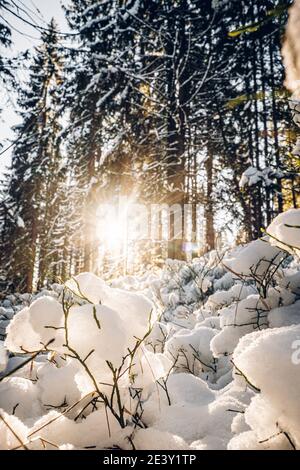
[{"x": 198, "y": 356}]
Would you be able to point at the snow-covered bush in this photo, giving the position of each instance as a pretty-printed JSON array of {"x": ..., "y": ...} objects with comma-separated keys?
[
  {"x": 284, "y": 231},
  {"x": 266, "y": 360},
  {"x": 202, "y": 355}
]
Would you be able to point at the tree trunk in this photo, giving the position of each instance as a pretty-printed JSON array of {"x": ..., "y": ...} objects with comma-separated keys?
[{"x": 210, "y": 235}]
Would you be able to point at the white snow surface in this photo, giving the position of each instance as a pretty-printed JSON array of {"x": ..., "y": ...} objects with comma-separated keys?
[
  {"x": 285, "y": 231},
  {"x": 195, "y": 356}
]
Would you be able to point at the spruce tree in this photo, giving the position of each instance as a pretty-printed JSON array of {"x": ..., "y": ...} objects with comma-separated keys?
[{"x": 28, "y": 204}]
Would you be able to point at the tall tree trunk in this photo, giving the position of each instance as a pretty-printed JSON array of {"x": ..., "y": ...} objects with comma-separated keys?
[
  {"x": 275, "y": 126},
  {"x": 210, "y": 235},
  {"x": 176, "y": 141},
  {"x": 89, "y": 210}
]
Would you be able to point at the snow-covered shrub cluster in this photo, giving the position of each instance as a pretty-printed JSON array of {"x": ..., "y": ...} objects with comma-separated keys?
[
  {"x": 203, "y": 355},
  {"x": 9, "y": 306}
]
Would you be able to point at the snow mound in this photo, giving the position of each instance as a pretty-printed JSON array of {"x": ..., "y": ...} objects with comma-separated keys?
[
  {"x": 253, "y": 259},
  {"x": 284, "y": 231},
  {"x": 36, "y": 326},
  {"x": 133, "y": 308},
  {"x": 270, "y": 361}
]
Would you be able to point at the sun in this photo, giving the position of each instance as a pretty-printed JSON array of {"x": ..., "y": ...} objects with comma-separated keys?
[
  {"x": 118, "y": 225},
  {"x": 112, "y": 229},
  {"x": 114, "y": 234}
]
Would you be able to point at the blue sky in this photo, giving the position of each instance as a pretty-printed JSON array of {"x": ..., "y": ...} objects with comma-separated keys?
[{"x": 24, "y": 37}]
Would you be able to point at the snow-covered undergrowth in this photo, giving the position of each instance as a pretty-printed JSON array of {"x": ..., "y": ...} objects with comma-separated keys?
[{"x": 200, "y": 356}]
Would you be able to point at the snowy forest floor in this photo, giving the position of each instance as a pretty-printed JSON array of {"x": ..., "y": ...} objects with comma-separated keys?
[{"x": 198, "y": 356}]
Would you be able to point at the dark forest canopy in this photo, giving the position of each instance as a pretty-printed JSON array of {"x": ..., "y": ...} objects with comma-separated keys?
[{"x": 165, "y": 102}]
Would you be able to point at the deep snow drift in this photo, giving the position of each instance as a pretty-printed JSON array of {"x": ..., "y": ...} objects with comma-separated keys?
[{"x": 199, "y": 356}]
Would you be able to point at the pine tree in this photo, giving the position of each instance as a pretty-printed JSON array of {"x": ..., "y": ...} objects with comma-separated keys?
[
  {"x": 254, "y": 118},
  {"x": 110, "y": 108},
  {"x": 28, "y": 205},
  {"x": 179, "y": 96}
]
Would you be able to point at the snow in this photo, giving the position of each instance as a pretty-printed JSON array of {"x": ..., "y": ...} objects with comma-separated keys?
[
  {"x": 63, "y": 373},
  {"x": 253, "y": 259},
  {"x": 133, "y": 308},
  {"x": 285, "y": 316},
  {"x": 3, "y": 356},
  {"x": 223, "y": 298},
  {"x": 252, "y": 176},
  {"x": 93, "y": 431},
  {"x": 8, "y": 439},
  {"x": 149, "y": 367},
  {"x": 20, "y": 222},
  {"x": 19, "y": 397},
  {"x": 36, "y": 326},
  {"x": 154, "y": 439},
  {"x": 105, "y": 337},
  {"x": 266, "y": 360},
  {"x": 284, "y": 231},
  {"x": 200, "y": 355}
]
